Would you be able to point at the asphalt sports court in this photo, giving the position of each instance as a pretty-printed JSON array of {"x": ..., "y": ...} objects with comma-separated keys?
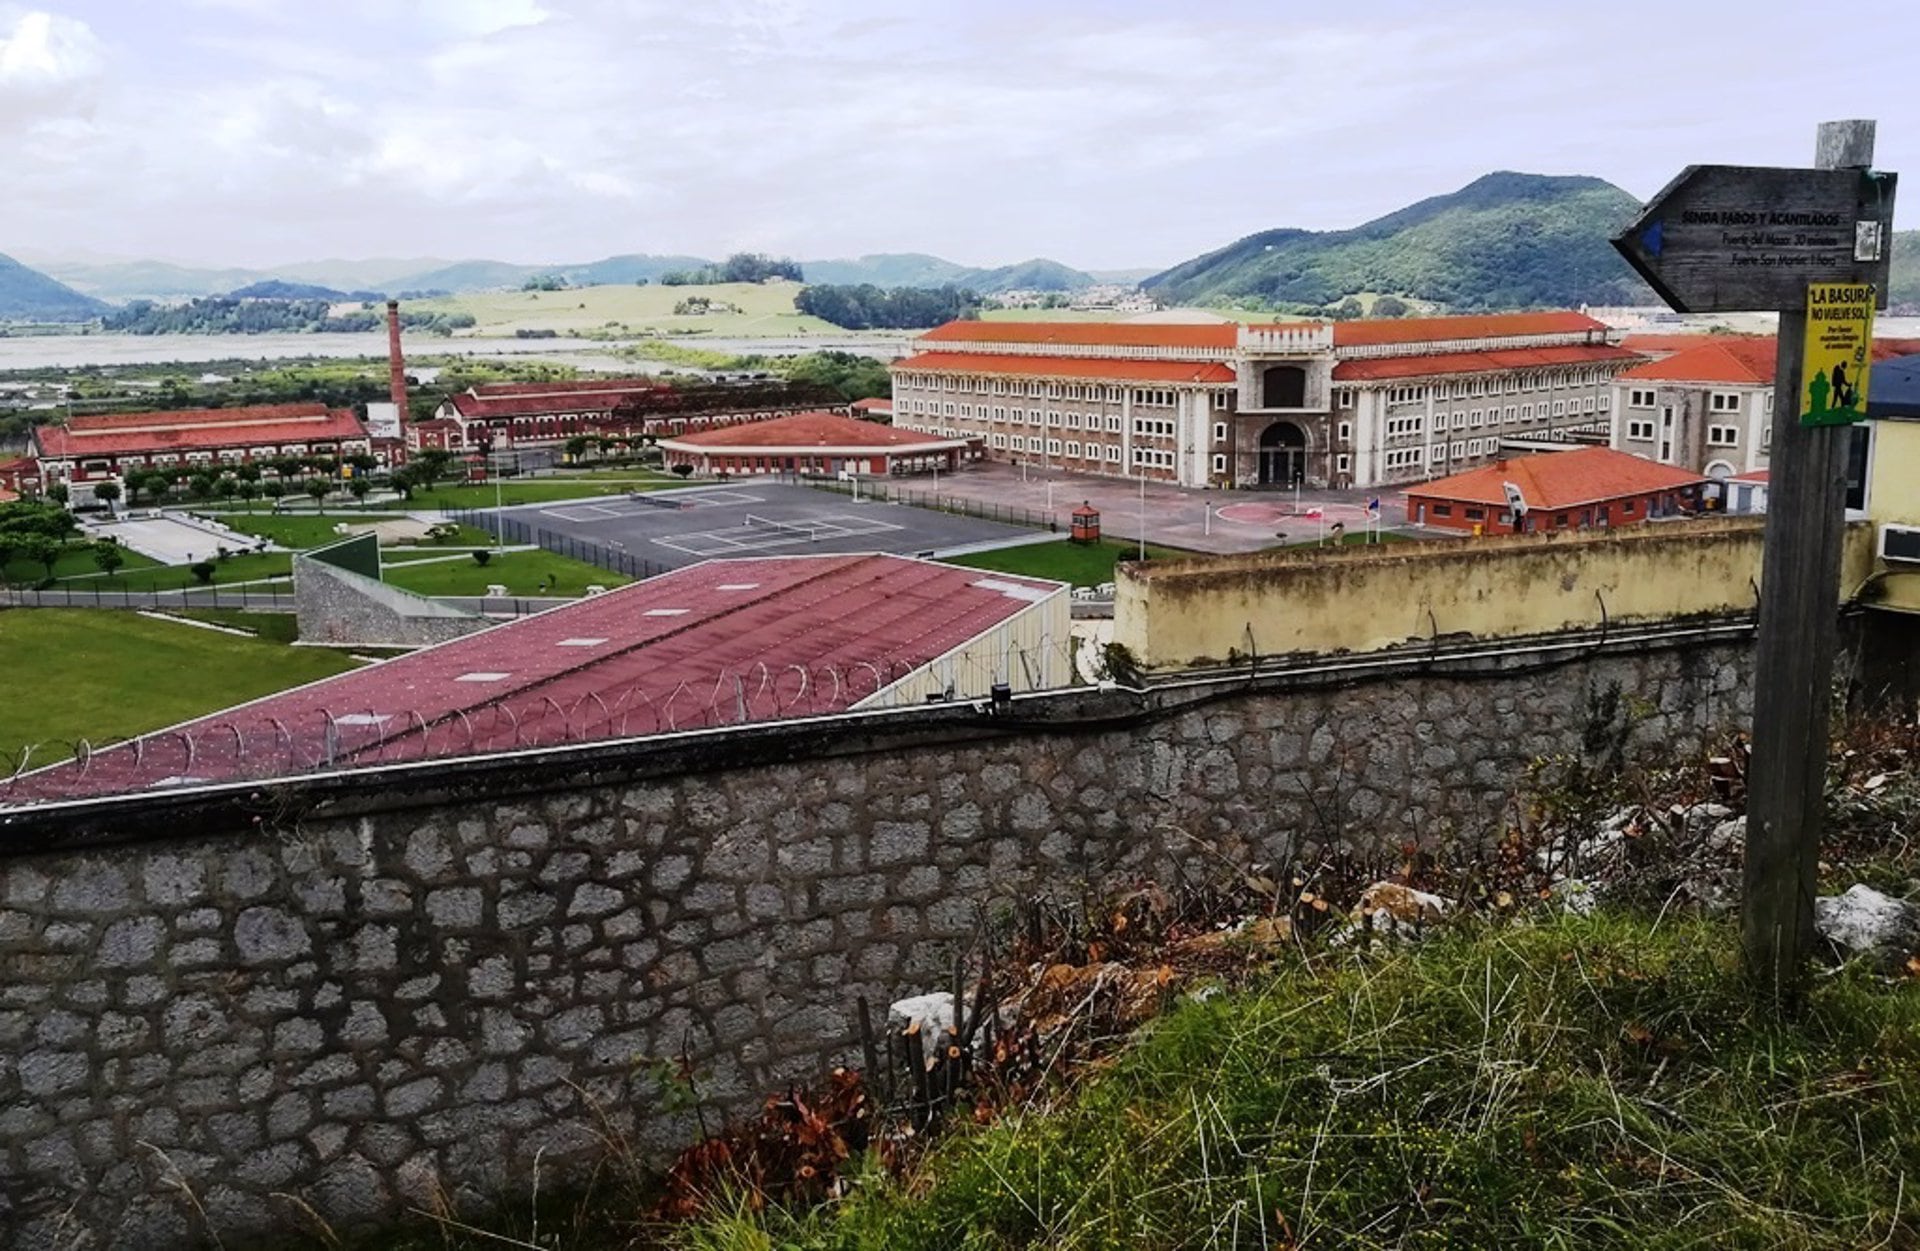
[{"x": 688, "y": 525}]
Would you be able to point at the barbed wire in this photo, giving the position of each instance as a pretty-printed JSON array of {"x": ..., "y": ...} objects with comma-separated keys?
[{"x": 288, "y": 737}]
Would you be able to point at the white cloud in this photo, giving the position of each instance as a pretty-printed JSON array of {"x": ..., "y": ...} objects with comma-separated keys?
[{"x": 49, "y": 65}]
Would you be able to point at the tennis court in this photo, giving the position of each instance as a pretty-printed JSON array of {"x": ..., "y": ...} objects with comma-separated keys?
[{"x": 685, "y": 526}]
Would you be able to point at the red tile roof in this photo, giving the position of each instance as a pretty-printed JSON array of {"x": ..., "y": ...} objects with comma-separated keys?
[
  {"x": 873, "y": 404},
  {"x": 718, "y": 643},
  {"x": 480, "y": 407},
  {"x": 1733, "y": 359},
  {"x": 1552, "y": 480},
  {"x": 1370, "y": 333},
  {"x": 1069, "y": 367},
  {"x": 1668, "y": 344},
  {"x": 1752, "y": 475},
  {"x": 120, "y": 434},
  {"x": 1377, "y": 367},
  {"x": 807, "y": 430},
  {"x": 1221, "y": 335}
]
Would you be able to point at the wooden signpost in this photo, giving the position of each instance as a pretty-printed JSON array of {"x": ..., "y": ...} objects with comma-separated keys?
[{"x": 1736, "y": 239}]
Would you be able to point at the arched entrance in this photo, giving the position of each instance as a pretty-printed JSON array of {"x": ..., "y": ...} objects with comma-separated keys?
[
  {"x": 1284, "y": 386},
  {"x": 1283, "y": 454}
]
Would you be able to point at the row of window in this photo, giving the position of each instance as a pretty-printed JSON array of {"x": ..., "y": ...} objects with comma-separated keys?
[
  {"x": 1717, "y": 401},
  {"x": 1717, "y": 436}
]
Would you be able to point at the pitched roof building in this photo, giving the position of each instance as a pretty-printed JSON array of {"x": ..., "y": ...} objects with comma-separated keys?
[
  {"x": 1346, "y": 404},
  {"x": 1574, "y": 489},
  {"x": 814, "y": 443},
  {"x": 715, "y": 644},
  {"x": 93, "y": 449}
]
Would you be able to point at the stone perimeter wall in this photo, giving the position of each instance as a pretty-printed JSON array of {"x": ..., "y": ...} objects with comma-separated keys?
[{"x": 406, "y": 1007}]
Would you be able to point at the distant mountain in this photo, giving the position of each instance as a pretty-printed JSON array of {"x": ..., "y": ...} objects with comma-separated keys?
[
  {"x": 917, "y": 269},
  {"x": 1127, "y": 276},
  {"x": 276, "y": 289},
  {"x": 618, "y": 270},
  {"x": 29, "y": 295},
  {"x": 1504, "y": 241},
  {"x": 1904, "y": 286}
]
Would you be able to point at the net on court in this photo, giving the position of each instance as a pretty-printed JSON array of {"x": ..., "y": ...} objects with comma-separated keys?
[{"x": 806, "y": 533}]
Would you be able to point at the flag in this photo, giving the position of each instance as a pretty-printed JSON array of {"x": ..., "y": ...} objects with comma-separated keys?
[{"x": 1373, "y": 505}]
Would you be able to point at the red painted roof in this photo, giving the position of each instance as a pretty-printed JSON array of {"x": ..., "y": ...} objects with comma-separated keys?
[
  {"x": 715, "y": 644},
  {"x": 1221, "y": 335},
  {"x": 1553, "y": 480},
  {"x": 1369, "y": 333},
  {"x": 1739, "y": 360},
  {"x": 874, "y": 405},
  {"x": 1069, "y": 367},
  {"x": 1668, "y": 344},
  {"x": 1377, "y": 367},
  {"x": 822, "y": 430},
  {"x": 195, "y": 429}
]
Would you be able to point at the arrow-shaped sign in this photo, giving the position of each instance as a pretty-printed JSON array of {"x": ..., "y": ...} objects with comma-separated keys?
[{"x": 1738, "y": 238}]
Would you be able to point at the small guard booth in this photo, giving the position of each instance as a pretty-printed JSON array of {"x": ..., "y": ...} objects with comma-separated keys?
[{"x": 1086, "y": 524}]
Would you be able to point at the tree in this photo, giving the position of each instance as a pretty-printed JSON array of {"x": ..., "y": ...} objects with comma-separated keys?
[
  {"x": 1390, "y": 306},
  {"x": 203, "y": 571},
  {"x": 107, "y": 493},
  {"x": 481, "y": 556},
  {"x": 108, "y": 556},
  {"x": 577, "y": 446},
  {"x": 248, "y": 472},
  {"x": 273, "y": 490},
  {"x": 319, "y": 489},
  {"x": 249, "y": 491},
  {"x": 226, "y": 487},
  {"x": 684, "y": 469},
  {"x": 403, "y": 480},
  {"x": 1347, "y": 310},
  {"x": 358, "y": 488},
  {"x": 58, "y": 493},
  {"x": 200, "y": 487},
  {"x": 40, "y": 549}
]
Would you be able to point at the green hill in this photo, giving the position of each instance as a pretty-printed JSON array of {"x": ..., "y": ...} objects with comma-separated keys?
[
  {"x": 29, "y": 295},
  {"x": 1904, "y": 288},
  {"x": 1504, "y": 241}
]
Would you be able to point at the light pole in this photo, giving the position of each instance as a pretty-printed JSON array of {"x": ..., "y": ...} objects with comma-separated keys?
[
  {"x": 499, "y": 518},
  {"x": 1143, "y": 512}
]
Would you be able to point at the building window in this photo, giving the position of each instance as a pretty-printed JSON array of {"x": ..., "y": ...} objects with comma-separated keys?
[
  {"x": 1219, "y": 432},
  {"x": 1053, "y": 447},
  {"x": 1639, "y": 399},
  {"x": 1219, "y": 464},
  {"x": 1073, "y": 451},
  {"x": 1640, "y": 430},
  {"x": 1342, "y": 463},
  {"x": 1346, "y": 432},
  {"x": 1724, "y": 402},
  {"x": 1443, "y": 510},
  {"x": 1723, "y": 436}
]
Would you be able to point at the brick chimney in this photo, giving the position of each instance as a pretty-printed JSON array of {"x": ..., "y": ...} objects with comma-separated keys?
[{"x": 396, "y": 364}]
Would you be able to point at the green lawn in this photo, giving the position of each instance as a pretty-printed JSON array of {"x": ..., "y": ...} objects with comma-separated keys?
[
  {"x": 276, "y": 627},
  {"x": 408, "y": 555},
  {"x": 520, "y": 572},
  {"x": 301, "y": 530},
  {"x": 244, "y": 568},
  {"x": 74, "y": 561},
  {"x": 101, "y": 675},
  {"x": 529, "y": 491},
  {"x": 761, "y": 310},
  {"x": 1082, "y": 564}
]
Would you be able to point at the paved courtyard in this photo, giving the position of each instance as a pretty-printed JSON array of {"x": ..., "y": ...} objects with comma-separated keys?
[
  {"x": 762, "y": 518},
  {"x": 1197, "y": 519}
]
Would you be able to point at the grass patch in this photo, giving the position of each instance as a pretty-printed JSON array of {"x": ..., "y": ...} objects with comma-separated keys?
[
  {"x": 105, "y": 675},
  {"x": 520, "y": 572},
  {"x": 1082, "y": 564},
  {"x": 530, "y": 491},
  {"x": 244, "y": 568},
  {"x": 760, "y": 310},
  {"x": 1597, "y": 1082},
  {"x": 299, "y": 531},
  {"x": 412, "y": 555},
  {"x": 275, "y": 627},
  {"x": 75, "y": 561}
]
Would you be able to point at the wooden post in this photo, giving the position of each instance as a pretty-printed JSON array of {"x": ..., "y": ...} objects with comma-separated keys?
[{"x": 1793, "y": 660}]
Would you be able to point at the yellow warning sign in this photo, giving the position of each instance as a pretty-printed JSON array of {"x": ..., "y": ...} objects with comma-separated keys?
[{"x": 1833, "y": 377}]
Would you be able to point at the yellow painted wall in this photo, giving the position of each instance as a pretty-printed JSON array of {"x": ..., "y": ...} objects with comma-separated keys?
[
  {"x": 1362, "y": 599},
  {"x": 1893, "y": 495}
]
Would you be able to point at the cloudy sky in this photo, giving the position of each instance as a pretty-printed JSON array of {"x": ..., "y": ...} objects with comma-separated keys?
[{"x": 1104, "y": 133}]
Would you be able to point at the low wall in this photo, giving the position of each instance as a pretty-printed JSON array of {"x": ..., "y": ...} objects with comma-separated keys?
[
  {"x": 1177, "y": 613},
  {"x": 342, "y": 608},
  {"x": 348, "y": 995}
]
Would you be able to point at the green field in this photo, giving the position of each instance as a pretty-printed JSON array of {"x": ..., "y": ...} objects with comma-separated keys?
[
  {"x": 102, "y": 675},
  {"x": 763, "y": 311},
  {"x": 74, "y": 561},
  {"x": 1082, "y": 564},
  {"x": 299, "y": 530},
  {"x": 520, "y": 572},
  {"x": 514, "y": 491},
  {"x": 244, "y": 568},
  {"x": 275, "y": 627},
  {"x": 408, "y": 555}
]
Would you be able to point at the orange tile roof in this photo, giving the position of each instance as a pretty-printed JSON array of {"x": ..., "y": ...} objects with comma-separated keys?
[
  {"x": 1378, "y": 367},
  {"x": 1370, "y": 333},
  {"x": 1069, "y": 367},
  {"x": 1552, "y": 480},
  {"x": 1221, "y": 335},
  {"x": 873, "y": 403},
  {"x": 813, "y": 430},
  {"x": 1666, "y": 344},
  {"x": 1734, "y": 359}
]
